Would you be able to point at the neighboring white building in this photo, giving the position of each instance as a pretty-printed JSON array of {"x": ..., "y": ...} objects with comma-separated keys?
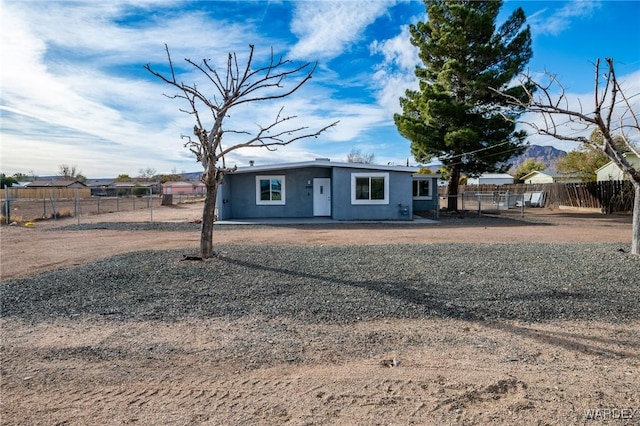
[
  {"x": 546, "y": 177},
  {"x": 491, "y": 179},
  {"x": 611, "y": 171}
]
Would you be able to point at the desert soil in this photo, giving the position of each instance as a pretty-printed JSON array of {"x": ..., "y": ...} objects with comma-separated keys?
[{"x": 471, "y": 372}]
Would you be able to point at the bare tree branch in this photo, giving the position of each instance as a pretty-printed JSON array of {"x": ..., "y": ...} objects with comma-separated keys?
[
  {"x": 601, "y": 118},
  {"x": 266, "y": 83}
]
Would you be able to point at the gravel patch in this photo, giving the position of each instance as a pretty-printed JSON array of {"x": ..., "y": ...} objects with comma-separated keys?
[{"x": 341, "y": 284}]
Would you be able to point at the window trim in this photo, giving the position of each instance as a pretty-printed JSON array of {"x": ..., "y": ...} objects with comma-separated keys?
[
  {"x": 280, "y": 202},
  {"x": 422, "y": 197},
  {"x": 356, "y": 201}
]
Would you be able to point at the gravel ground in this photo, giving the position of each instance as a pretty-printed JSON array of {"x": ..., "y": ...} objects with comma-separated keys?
[
  {"x": 342, "y": 284},
  {"x": 518, "y": 333}
]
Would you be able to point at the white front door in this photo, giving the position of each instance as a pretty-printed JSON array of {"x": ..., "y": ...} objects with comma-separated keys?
[{"x": 322, "y": 197}]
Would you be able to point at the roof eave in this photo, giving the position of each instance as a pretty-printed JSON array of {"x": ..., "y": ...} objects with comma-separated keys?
[{"x": 325, "y": 164}]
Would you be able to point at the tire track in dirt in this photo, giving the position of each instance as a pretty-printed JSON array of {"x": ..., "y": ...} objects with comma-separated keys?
[{"x": 259, "y": 400}]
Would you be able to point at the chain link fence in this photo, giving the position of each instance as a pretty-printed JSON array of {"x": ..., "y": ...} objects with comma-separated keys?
[
  {"x": 489, "y": 202},
  {"x": 55, "y": 203}
]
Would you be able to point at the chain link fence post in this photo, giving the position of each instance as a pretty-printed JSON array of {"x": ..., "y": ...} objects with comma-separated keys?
[
  {"x": 77, "y": 206},
  {"x": 150, "y": 204},
  {"x": 7, "y": 206}
]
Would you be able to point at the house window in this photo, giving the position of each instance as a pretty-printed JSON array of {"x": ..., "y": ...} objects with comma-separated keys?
[
  {"x": 270, "y": 190},
  {"x": 370, "y": 188},
  {"x": 422, "y": 189}
]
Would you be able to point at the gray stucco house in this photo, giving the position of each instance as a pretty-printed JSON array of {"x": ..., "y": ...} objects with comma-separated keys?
[{"x": 322, "y": 188}]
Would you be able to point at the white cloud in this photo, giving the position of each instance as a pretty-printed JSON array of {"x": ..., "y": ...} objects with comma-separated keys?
[
  {"x": 395, "y": 74},
  {"x": 398, "y": 50},
  {"x": 561, "y": 19},
  {"x": 64, "y": 98},
  {"x": 326, "y": 28}
]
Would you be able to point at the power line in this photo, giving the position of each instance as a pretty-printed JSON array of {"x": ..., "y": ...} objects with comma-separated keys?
[{"x": 549, "y": 141}]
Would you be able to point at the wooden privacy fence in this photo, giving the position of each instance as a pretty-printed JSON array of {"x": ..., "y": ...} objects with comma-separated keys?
[
  {"x": 617, "y": 196},
  {"x": 44, "y": 193},
  {"x": 608, "y": 196}
]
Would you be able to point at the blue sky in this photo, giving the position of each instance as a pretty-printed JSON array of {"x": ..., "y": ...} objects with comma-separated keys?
[{"x": 74, "y": 90}]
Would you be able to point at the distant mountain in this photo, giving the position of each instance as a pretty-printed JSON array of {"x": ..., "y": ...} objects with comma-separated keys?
[
  {"x": 545, "y": 154},
  {"x": 192, "y": 175}
]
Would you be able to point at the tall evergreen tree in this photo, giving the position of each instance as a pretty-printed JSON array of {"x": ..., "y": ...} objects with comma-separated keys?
[{"x": 456, "y": 115}]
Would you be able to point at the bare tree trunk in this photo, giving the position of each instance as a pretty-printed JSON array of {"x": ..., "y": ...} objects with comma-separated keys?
[
  {"x": 454, "y": 182},
  {"x": 635, "y": 237},
  {"x": 208, "y": 219}
]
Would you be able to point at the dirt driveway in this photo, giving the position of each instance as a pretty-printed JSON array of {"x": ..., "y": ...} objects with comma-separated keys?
[{"x": 563, "y": 372}]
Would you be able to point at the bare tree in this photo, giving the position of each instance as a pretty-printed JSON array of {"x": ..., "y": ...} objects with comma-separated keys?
[
  {"x": 70, "y": 172},
  {"x": 356, "y": 156},
  {"x": 612, "y": 116},
  {"x": 147, "y": 174},
  {"x": 234, "y": 87}
]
